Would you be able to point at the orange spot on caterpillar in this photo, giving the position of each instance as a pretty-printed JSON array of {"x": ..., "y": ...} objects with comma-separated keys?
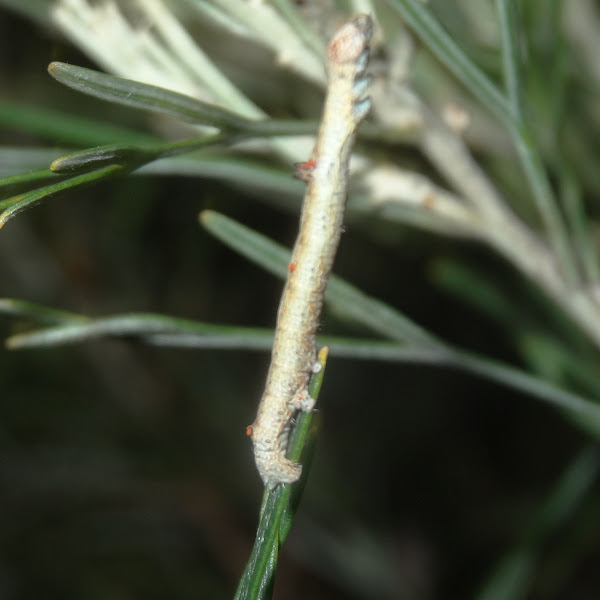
[
  {"x": 429, "y": 201},
  {"x": 304, "y": 170},
  {"x": 292, "y": 267},
  {"x": 309, "y": 164},
  {"x": 249, "y": 430}
]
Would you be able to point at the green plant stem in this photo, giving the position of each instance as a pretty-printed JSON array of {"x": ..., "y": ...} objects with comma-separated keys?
[
  {"x": 511, "y": 62},
  {"x": 278, "y": 508},
  {"x": 570, "y": 193},
  {"x": 546, "y": 203}
]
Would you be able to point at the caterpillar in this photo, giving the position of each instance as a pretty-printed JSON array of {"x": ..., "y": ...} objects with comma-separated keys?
[{"x": 326, "y": 174}]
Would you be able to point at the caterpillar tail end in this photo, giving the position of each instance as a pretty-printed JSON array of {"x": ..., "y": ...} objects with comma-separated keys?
[{"x": 275, "y": 470}]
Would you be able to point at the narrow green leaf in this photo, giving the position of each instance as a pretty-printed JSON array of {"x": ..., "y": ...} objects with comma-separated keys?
[
  {"x": 415, "y": 216},
  {"x": 511, "y": 62},
  {"x": 280, "y": 127},
  {"x": 145, "y": 97},
  {"x": 390, "y": 323},
  {"x": 481, "y": 291},
  {"x": 531, "y": 162},
  {"x": 163, "y": 330},
  {"x": 581, "y": 226},
  {"x": 249, "y": 175},
  {"x": 131, "y": 157},
  {"x": 340, "y": 296},
  {"x": 83, "y": 161},
  {"x": 13, "y": 206},
  {"x": 37, "y": 312},
  {"x": 66, "y": 128},
  {"x": 545, "y": 202},
  {"x": 78, "y": 328},
  {"x": 19, "y": 161},
  {"x": 172, "y": 104},
  {"x": 582, "y": 411},
  {"x": 560, "y": 98},
  {"x": 37, "y": 10},
  {"x": 418, "y": 16},
  {"x": 23, "y": 182},
  {"x": 255, "y": 177},
  {"x": 514, "y": 575},
  {"x": 577, "y": 481},
  {"x": 543, "y": 195}
]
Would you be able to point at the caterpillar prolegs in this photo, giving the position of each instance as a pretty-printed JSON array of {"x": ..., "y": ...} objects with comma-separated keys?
[{"x": 326, "y": 175}]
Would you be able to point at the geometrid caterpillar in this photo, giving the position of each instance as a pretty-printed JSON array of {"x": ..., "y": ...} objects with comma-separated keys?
[{"x": 326, "y": 175}]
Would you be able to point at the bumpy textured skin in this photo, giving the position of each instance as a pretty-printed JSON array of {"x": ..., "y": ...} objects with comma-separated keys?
[{"x": 326, "y": 175}]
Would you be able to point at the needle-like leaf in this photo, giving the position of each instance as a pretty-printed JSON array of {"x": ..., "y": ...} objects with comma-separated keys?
[
  {"x": 144, "y": 96},
  {"x": 13, "y": 206}
]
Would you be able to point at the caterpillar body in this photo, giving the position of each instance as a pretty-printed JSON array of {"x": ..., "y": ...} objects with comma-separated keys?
[{"x": 326, "y": 175}]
